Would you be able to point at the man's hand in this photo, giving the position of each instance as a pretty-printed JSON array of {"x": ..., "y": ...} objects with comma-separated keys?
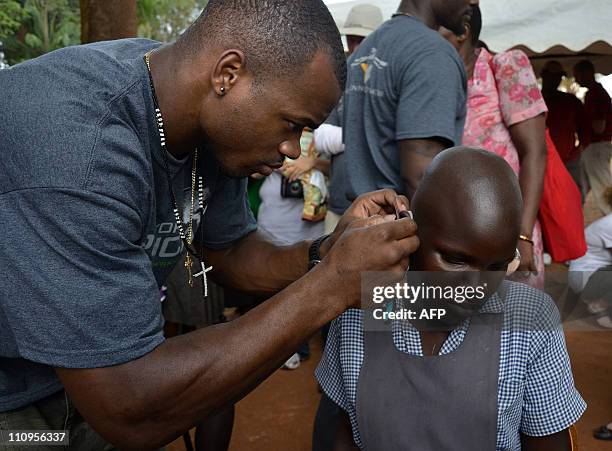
[
  {"x": 378, "y": 203},
  {"x": 374, "y": 244}
]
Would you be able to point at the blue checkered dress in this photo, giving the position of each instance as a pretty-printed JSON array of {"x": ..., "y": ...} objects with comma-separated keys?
[{"x": 536, "y": 393}]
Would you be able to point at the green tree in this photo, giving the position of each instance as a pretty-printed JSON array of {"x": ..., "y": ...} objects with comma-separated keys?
[
  {"x": 30, "y": 28},
  {"x": 43, "y": 26},
  {"x": 11, "y": 16},
  {"x": 165, "y": 20},
  {"x": 103, "y": 20}
]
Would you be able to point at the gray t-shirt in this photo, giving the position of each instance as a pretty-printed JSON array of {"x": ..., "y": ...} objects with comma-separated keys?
[
  {"x": 404, "y": 82},
  {"x": 88, "y": 231},
  {"x": 338, "y": 202}
]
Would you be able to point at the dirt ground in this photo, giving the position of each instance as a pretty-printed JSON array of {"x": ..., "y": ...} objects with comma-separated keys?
[{"x": 278, "y": 415}]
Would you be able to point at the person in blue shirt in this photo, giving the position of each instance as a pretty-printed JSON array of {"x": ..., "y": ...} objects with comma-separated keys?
[{"x": 494, "y": 373}]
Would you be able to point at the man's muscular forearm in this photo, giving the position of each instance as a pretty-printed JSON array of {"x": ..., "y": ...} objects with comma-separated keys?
[
  {"x": 256, "y": 264},
  {"x": 154, "y": 399}
]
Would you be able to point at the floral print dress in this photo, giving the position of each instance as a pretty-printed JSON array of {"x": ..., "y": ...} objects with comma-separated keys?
[{"x": 502, "y": 92}]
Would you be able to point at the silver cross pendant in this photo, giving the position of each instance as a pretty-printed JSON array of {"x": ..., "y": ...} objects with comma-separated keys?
[{"x": 204, "y": 278}]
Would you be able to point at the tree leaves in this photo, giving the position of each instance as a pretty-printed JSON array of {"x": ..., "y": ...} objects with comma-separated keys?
[
  {"x": 30, "y": 28},
  {"x": 165, "y": 20},
  {"x": 43, "y": 26}
]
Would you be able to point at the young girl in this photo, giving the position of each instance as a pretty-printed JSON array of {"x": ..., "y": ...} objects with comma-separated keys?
[{"x": 496, "y": 375}]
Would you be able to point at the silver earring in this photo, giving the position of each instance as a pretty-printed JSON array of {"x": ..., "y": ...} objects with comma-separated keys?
[{"x": 222, "y": 90}]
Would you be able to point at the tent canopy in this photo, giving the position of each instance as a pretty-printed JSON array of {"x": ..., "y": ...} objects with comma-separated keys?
[{"x": 566, "y": 30}]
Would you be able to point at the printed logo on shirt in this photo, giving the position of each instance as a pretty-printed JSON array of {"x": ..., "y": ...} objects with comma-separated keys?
[
  {"x": 368, "y": 64},
  {"x": 166, "y": 243}
]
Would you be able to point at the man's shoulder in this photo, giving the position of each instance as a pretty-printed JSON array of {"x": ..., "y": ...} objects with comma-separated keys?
[
  {"x": 90, "y": 73},
  {"x": 73, "y": 80},
  {"x": 405, "y": 39},
  {"x": 55, "y": 107}
]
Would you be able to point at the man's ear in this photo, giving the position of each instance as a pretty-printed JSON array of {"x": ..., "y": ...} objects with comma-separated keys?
[
  {"x": 229, "y": 68},
  {"x": 463, "y": 37}
]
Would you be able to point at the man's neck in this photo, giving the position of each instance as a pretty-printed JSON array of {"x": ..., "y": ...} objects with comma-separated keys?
[
  {"x": 177, "y": 96},
  {"x": 421, "y": 11}
]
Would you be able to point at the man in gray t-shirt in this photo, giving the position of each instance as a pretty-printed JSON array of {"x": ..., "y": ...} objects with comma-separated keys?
[
  {"x": 405, "y": 97},
  {"x": 100, "y": 146}
]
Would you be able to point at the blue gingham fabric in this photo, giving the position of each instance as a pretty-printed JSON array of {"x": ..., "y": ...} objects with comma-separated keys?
[{"x": 536, "y": 393}]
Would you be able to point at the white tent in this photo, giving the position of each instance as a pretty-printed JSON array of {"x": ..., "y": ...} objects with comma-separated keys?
[{"x": 567, "y": 30}]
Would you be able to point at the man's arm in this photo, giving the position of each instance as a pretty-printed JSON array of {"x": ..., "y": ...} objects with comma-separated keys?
[
  {"x": 149, "y": 401},
  {"x": 415, "y": 157},
  {"x": 256, "y": 264},
  {"x": 559, "y": 442},
  {"x": 430, "y": 100},
  {"x": 146, "y": 403}
]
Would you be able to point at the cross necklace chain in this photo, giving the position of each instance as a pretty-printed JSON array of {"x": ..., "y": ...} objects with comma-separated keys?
[{"x": 186, "y": 237}]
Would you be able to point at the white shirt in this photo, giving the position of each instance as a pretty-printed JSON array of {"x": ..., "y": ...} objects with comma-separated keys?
[
  {"x": 599, "y": 253},
  {"x": 328, "y": 140}
]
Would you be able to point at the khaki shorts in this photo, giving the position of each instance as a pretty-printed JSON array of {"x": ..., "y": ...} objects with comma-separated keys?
[{"x": 55, "y": 413}]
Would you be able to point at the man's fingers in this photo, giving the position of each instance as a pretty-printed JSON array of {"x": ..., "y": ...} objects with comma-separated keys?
[
  {"x": 401, "y": 204},
  {"x": 379, "y": 201},
  {"x": 400, "y": 229},
  {"x": 387, "y": 199},
  {"x": 409, "y": 245},
  {"x": 368, "y": 222}
]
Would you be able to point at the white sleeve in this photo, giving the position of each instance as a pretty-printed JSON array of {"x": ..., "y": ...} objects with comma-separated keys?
[
  {"x": 328, "y": 140},
  {"x": 606, "y": 231}
]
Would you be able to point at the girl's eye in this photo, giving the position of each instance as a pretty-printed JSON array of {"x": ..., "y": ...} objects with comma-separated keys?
[{"x": 453, "y": 260}]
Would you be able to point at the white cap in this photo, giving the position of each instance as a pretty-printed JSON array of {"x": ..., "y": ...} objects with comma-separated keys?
[{"x": 362, "y": 20}]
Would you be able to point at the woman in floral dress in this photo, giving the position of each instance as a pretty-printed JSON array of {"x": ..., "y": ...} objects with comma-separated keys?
[{"x": 506, "y": 115}]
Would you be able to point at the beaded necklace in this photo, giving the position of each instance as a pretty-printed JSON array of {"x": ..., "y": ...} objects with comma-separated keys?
[{"x": 186, "y": 237}]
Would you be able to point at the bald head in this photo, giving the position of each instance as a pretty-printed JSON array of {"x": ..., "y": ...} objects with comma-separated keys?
[{"x": 469, "y": 202}]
